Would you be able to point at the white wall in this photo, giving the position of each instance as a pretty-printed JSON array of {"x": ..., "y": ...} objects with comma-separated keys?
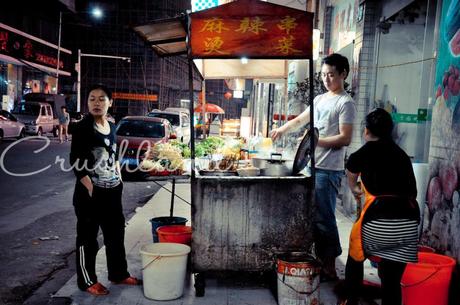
[{"x": 398, "y": 79}]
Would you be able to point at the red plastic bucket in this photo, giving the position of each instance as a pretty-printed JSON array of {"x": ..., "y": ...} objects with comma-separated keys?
[
  {"x": 423, "y": 248},
  {"x": 175, "y": 234},
  {"x": 427, "y": 282}
]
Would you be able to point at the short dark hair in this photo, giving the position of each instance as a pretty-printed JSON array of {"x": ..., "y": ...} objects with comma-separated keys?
[
  {"x": 63, "y": 107},
  {"x": 338, "y": 61},
  {"x": 101, "y": 87},
  {"x": 380, "y": 123}
]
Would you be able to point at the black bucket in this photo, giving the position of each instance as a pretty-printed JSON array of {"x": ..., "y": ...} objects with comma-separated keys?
[{"x": 165, "y": 221}]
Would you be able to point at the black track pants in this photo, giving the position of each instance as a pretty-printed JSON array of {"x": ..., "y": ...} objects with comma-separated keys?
[{"x": 102, "y": 210}]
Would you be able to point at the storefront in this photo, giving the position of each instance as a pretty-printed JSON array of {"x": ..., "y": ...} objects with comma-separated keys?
[{"x": 28, "y": 64}]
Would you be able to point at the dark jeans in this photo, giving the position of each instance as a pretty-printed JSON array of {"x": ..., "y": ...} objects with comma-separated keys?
[
  {"x": 326, "y": 234},
  {"x": 390, "y": 273},
  {"x": 102, "y": 210}
]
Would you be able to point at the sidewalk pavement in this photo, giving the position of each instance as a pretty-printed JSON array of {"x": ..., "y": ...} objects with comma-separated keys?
[{"x": 138, "y": 233}]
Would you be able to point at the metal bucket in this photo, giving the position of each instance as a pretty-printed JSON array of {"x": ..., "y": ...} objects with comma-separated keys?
[{"x": 298, "y": 279}]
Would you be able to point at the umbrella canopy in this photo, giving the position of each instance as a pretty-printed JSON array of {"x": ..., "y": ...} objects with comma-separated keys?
[{"x": 210, "y": 108}]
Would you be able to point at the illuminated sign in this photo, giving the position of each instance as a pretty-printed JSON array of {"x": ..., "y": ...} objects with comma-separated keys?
[
  {"x": 135, "y": 96},
  {"x": 27, "y": 48},
  {"x": 254, "y": 29}
]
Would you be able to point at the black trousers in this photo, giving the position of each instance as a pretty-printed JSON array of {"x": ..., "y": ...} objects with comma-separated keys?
[
  {"x": 102, "y": 210},
  {"x": 390, "y": 273}
]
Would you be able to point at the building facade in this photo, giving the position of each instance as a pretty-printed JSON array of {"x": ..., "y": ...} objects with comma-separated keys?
[
  {"x": 29, "y": 51},
  {"x": 405, "y": 58}
]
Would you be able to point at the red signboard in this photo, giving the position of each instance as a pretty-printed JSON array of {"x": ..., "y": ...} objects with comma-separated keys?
[
  {"x": 24, "y": 48},
  {"x": 135, "y": 96},
  {"x": 253, "y": 29}
]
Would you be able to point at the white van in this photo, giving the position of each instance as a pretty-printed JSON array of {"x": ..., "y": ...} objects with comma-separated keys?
[
  {"x": 39, "y": 113},
  {"x": 37, "y": 117},
  {"x": 177, "y": 109},
  {"x": 178, "y": 119}
]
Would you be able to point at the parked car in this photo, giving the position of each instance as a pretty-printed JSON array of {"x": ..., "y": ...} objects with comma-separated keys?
[
  {"x": 136, "y": 133},
  {"x": 10, "y": 127},
  {"x": 39, "y": 113},
  {"x": 179, "y": 120}
]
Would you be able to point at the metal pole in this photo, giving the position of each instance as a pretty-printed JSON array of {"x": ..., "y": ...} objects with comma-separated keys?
[
  {"x": 128, "y": 59},
  {"x": 312, "y": 142},
  {"x": 80, "y": 55},
  {"x": 173, "y": 193},
  {"x": 78, "y": 80},
  {"x": 58, "y": 52},
  {"x": 192, "y": 128}
]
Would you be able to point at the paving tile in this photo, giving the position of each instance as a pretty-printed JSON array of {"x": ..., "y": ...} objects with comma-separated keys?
[{"x": 218, "y": 292}]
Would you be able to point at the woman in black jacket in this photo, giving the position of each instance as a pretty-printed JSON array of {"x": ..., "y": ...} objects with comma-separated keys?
[{"x": 97, "y": 196}]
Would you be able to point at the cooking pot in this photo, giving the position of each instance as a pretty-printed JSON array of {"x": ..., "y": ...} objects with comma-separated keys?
[
  {"x": 274, "y": 166},
  {"x": 285, "y": 167}
]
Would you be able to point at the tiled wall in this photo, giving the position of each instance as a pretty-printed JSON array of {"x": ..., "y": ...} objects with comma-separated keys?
[{"x": 362, "y": 82}]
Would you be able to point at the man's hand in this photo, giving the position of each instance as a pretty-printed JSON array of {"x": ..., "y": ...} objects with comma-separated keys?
[
  {"x": 277, "y": 133},
  {"x": 357, "y": 193}
]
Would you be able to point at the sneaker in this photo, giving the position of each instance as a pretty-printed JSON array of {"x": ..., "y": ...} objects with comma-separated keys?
[{"x": 97, "y": 289}]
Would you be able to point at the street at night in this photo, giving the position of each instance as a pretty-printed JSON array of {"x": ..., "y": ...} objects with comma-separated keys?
[
  {"x": 310, "y": 147},
  {"x": 37, "y": 219}
]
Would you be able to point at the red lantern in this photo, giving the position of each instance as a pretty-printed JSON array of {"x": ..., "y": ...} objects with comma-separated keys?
[{"x": 228, "y": 95}]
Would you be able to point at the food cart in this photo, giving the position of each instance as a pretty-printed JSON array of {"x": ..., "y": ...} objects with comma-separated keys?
[{"x": 241, "y": 223}]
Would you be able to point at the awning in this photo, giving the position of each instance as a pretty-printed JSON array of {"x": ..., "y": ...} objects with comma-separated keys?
[
  {"x": 167, "y": 37},
  {"x": 233, "y": 68}
]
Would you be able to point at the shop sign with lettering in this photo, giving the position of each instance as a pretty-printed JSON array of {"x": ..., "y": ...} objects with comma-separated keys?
[{"x": 251, "y": 28}]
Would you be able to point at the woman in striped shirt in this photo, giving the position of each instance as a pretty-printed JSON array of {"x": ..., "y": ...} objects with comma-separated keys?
[{"x": 387, "y": 228}]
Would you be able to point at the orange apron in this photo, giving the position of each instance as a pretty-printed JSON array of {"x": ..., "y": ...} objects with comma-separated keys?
[{"x": 356, "y": 245}]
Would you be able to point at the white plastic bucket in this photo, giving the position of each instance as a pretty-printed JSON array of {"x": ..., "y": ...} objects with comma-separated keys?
[{"x": 163, "y": 270}]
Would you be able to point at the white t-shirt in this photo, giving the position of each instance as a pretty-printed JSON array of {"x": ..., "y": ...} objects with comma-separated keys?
[{"x": 329, "y": 112}]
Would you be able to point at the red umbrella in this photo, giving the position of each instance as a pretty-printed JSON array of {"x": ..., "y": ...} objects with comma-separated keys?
[{"x": 210, "y": 108}]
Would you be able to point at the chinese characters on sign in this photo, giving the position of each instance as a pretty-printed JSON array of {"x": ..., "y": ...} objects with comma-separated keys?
[
  {"x": 20, "y": 47},
  {"x": 267, "y": 31}
]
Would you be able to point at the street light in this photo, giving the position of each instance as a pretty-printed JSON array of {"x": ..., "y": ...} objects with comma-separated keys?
[
  {"x": 97, "y": 13},
  {"x": 78, "y": 68}
]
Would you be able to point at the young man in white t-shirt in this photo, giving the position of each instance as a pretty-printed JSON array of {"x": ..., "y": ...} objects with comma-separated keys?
[{"x": 334, "y": 114}]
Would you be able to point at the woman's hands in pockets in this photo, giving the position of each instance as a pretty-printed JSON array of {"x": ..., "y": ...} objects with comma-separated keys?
[{"x": 86, "y": 181}]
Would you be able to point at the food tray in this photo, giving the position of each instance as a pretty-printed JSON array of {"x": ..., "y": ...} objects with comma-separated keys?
[
  {"x": 217, "y": 173},
  {"x": 176, "y": 172}
]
